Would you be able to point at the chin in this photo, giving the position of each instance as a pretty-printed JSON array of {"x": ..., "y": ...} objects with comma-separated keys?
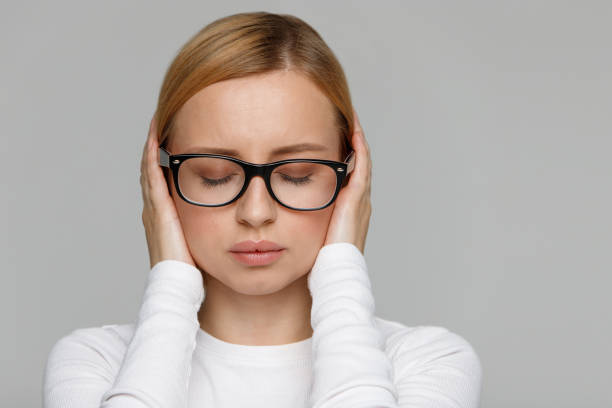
[
  {"x": 259, "y": 286},
  {"x": 257, "y": 282}
]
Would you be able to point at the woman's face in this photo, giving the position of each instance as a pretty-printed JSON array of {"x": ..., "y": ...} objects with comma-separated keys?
[{"x": 255, "y": 115}]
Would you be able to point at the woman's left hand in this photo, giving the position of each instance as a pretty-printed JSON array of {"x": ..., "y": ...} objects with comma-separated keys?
[{"x": 351, "y": 216}]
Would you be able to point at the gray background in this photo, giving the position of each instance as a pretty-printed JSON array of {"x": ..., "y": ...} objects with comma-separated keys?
[{"x": 489, "y": 125}]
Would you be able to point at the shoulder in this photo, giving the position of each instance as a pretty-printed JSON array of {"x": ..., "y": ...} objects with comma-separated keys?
[
  {"x": 434, "y": 355},
  {"x": 105, "y": 339},
  {"x": 400, "y": 337},
  {"x": 86, "y": 360},
  {"x": 103, "y": 347}
]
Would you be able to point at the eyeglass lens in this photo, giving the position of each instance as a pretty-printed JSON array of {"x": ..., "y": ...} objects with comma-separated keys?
[{"x": 214, "y": 181}]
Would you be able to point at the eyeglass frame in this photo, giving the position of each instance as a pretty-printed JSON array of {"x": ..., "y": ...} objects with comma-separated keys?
[{"x": 174, "y": 161}]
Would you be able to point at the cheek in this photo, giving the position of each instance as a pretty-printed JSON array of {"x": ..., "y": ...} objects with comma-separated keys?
[
  {"x": 203, "y": 227},
  {"x": 311, "y": 226},
  {"x": 306, "y": 232}
]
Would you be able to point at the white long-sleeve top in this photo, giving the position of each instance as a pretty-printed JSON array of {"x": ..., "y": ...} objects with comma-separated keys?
[{"x": 354, "y": 359}]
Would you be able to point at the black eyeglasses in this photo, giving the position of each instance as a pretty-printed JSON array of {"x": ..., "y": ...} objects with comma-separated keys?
[{"x": 213, "y": 180}]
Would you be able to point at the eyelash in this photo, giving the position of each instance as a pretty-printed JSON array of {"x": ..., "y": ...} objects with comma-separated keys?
[{"x": 224, "y": 180}]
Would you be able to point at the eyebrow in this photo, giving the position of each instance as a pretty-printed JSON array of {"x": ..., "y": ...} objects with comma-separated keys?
[{"x": 296, "y": 148}]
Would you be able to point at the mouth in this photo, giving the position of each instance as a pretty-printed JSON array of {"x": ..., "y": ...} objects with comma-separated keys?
[
  {"x": 257, "y": 258},
  {"x": 252, "y": 246}
]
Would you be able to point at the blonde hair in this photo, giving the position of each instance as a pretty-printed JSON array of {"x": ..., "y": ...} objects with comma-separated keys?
[{"x": 253, "y": 43}]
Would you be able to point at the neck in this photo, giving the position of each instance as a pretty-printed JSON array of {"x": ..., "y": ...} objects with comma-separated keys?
[{"x": 277, "y": 318}]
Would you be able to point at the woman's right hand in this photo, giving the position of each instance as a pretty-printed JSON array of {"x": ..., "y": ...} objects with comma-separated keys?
[{"x": 165, "y": 237}]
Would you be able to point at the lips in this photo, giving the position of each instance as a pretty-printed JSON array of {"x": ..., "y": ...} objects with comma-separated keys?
[
  {"x": 252, "y": 246},
  {"x": 257, "y": 258}
]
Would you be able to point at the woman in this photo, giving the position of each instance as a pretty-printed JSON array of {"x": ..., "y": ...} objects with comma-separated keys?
[{"x": 256, "y": 186}]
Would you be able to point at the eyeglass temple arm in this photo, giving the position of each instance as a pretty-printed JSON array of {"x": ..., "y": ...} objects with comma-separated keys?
[{"x": 164, "y": 157}]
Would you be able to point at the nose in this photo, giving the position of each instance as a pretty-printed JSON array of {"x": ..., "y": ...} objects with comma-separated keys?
[{"x": 256, "y": 207}]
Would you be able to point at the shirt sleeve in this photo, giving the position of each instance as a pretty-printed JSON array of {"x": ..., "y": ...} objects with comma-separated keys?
[
  {"x": 426, "y": 367},
  {"x": 350, "y": 367},
  {"x": 154, "y": 370},
  {"x": 436, "y": 368}
]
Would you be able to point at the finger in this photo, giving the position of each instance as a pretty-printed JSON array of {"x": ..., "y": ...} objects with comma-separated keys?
[
  {"x": 362, "y": 163},
  {"x": 152, "y": 158},
  {"x": 144, "y": 179},
  {"x": 359, "y": 130},
  {"x": 145, "y": 149},
  {"x": 157, "y": 182},
  {"x": 144, "y": 158},
  {"x": 364, "y": 142},
  {"x": 149, "y": 160}
]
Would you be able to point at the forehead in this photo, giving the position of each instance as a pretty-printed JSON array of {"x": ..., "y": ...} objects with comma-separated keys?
[{"x": 257, "y": 115}]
